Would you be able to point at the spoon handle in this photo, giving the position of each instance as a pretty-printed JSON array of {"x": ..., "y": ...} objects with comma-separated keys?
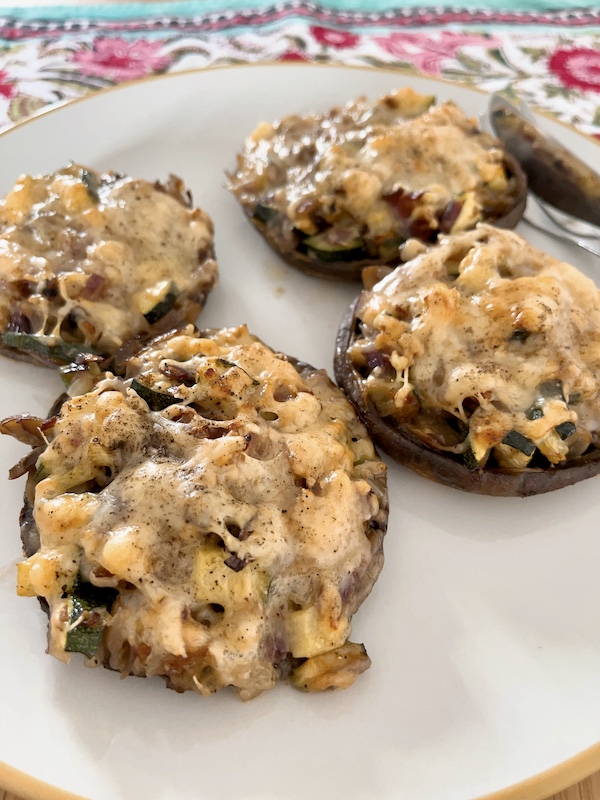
[{"x": 562, "y": 237}]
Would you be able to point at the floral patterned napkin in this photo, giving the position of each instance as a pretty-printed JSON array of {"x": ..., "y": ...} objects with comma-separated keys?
[{"x": 550, "y": 57}]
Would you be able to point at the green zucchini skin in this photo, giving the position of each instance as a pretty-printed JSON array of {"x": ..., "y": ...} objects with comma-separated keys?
[
  {"x": 56, "y": 350},
  {"x": 347, "y": 265},
  {"x": 519, "y": 442},
  {"x": 336, "y": 269},
  {"x": 406, "y": 449},
  {"x": 47, "y": 350},
  {"x": 84, "y": 600},
  {"x": 161, "y": 309},
  {"x": 156, "y": 401}
]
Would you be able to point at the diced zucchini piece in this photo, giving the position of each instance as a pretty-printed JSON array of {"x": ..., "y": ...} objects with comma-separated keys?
[
  {"x": 48, "y": 347},
  {"x": 553, "y": 447},
  {"x": 91, "y": 183},
  {"x": 469, "y": 459},
  {"x": 162, "y": 308},
  {"x": 156, "y": 401},
  {"x": 336, "y": 669},
  {"x": 84, "y": 603},
  {"x": 322, "y": 248},
  {"x": 519, "y": 442},
  {"x": 157, "y": 300},
  {"x": 509, "y": 457},
  {"x": 264, "y": 214},
  {"x": 216, "y": 582},
  {"x": 24, "y": 586},
  {"x": 535, "y": 412},
  {"x": 410, "y": 103},
  {"x": 470, "y": 213},
  {"x": 565, "y": 429},
  {"x": 311, "y": 633}
]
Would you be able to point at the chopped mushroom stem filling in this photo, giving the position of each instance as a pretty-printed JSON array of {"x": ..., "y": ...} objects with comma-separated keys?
[
  {"x": 215, "y": 517},
  {"x": 89, "y": 261},
  {"x": 356, "y": 182},
  {"x": 485, "y": 348}
]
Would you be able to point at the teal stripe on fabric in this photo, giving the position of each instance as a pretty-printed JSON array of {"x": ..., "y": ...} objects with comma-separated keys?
[{"x": 204, "y": 7}]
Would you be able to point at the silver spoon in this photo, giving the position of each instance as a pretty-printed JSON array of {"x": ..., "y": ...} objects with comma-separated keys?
[{"x": 554, "y": 173}]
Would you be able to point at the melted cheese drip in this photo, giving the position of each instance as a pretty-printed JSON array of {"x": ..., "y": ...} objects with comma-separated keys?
[{"x": 272, "y": 483}]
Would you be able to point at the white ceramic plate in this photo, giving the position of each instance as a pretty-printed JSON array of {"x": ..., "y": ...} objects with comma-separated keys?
[{"x": 484, "y": 628}]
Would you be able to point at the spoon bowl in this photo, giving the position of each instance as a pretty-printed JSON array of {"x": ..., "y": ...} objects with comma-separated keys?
[{"x": 554, "y": 173}]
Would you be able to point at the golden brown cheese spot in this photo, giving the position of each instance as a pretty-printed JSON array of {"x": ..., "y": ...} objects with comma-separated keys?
[
  {"x": 232, "y": 521},
  {"x": 100, "y": 250},
  {"x": 495, "y": 334},
  {"x": 373, "y": 172}
]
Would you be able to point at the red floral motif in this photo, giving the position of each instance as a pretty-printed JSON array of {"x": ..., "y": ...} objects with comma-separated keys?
[
  {"x": 7, "y": 89},
  {"x": 119, "y": 60},
  {"x": 333, "y": 38},
  {"x": 578, "y": 68},
  {"x": 427, "y": 52},
  {"x": 293, "y": 55}
]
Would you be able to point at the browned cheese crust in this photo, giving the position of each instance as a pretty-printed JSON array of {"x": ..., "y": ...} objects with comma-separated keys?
[
  {"x": 89, "y": 261},
  {"x": 477, "y": 365},
  {"x": 226, "y": 497},
  {"x": 334, "y": 192}
]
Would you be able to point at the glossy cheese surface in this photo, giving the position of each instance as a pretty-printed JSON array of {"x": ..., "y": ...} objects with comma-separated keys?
[
  {"x": 488, "y": 337},
  {"x": 89, "y": 258},
  {"x": 241, "y": 523}
]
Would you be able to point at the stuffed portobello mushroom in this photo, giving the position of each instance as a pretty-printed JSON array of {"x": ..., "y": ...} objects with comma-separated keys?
[
  {"x": 477, "y": 364},
  {"x": 214, "y": 517},
  {"x": 90, "y": 261},
  {"x": 333, "y": 192}
]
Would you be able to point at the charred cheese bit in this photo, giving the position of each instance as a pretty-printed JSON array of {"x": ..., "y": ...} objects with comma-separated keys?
[
  {"x": 234, "y": 501},
  {"x": 498, "y": 343}
]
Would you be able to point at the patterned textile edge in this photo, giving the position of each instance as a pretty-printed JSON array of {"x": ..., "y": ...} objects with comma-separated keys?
[
  {"x": 556, "y": 67},
  {"x": 15, "y": 28}
]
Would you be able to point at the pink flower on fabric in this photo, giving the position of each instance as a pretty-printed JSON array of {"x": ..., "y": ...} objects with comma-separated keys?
[
  {"x": 7, "y": 89},
  {"x": 120, "y": 60},
  {"x": 333, "y": 38},
  {"x": 426, "y": 51},
  {"x": 293, "y": 55},
  {"x": 578, "y": 68}
]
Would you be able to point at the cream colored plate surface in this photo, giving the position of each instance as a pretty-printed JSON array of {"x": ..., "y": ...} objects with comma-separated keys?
[{"x": 484, "y": 628}]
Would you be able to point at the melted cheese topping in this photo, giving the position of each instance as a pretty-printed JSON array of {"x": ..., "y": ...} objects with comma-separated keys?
[
  {"x": 481, "y": 338},
  {"x": 375, "y": 168},
  {"x": 241, "y": 524},
  {"x": 84, "y": 256}
]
